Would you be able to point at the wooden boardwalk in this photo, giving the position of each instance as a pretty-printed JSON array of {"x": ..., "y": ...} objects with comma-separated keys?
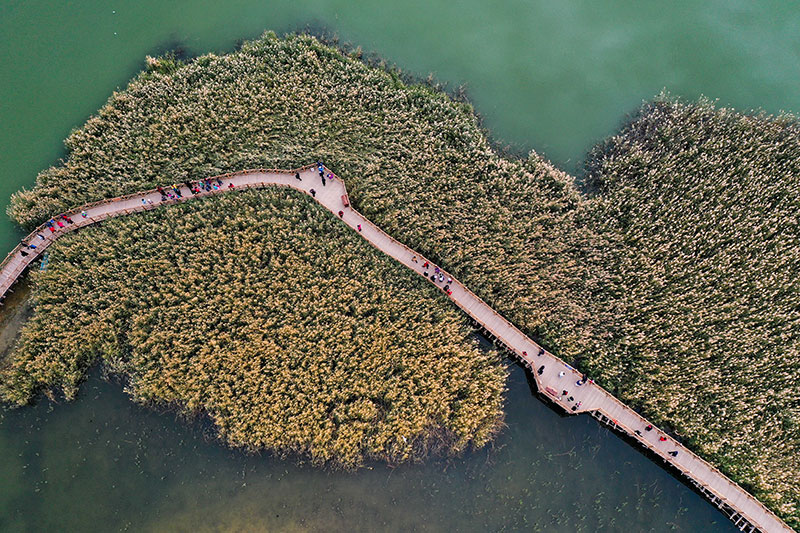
[{"x": 555, "y": 380}]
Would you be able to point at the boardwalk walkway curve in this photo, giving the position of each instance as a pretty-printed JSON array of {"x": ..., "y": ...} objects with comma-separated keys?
[{"x": 747, "y": 513}]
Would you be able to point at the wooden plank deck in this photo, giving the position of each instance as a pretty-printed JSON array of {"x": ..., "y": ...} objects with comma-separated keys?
[{"x": 744, "y": 510}]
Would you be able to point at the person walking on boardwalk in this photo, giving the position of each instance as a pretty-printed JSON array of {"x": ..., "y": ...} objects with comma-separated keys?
[
  {"x": 341, "y": 214},
  {"x": 313, "y": 193},
  {"x": 41, "y": 236},
  {"x": 297, "y": 176},
  {"x": 414, "y": 259},
  {"x": 24, "y": 253},
  {"x": 84, "y": 214},
  {"x": 359, "y": 227},
  {"x": 322, "y": 177}
]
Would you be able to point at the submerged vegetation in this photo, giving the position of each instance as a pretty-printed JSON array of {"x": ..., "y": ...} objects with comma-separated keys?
[
  {"x": 674, "y": 284},
  {"x": 261, "y": 309}
]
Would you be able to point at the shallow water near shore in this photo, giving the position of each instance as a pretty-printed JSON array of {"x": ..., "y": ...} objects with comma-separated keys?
[
  {"x": 103, "y": 463},
  {"x": 555, "y": 77}
]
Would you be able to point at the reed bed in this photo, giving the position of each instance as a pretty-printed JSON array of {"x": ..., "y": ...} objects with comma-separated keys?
[
  {"x": 701, "y": 307},
  {"x": 262, "y": 310}
]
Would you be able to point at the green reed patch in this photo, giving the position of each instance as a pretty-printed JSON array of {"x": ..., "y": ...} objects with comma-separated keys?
[{"x": 702, "y": 305}]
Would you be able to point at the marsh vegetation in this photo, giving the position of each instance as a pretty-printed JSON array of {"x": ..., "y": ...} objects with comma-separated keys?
[
  {"x": 262, "y": 310},
  {"x": 701, "y": 307}
]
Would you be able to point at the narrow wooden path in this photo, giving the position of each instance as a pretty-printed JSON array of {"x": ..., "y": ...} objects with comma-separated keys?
[{"x": 555, "y": 380}]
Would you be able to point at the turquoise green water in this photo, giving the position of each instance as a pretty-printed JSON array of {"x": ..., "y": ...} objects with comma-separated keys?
[{"x": 552, "y": 76}]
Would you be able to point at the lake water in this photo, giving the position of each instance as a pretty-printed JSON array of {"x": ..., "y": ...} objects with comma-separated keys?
[
  {"x": 550, "y": 76},
  {"x": 104, "y": 464}
]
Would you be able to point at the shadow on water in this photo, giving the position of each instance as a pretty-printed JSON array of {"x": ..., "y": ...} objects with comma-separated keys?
[
  {"x": 175, "y": 46},
  {"x": 14, "y": 312}
]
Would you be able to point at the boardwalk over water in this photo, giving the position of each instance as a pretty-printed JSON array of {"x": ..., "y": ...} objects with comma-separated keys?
[{"x": 746, "y": 512}]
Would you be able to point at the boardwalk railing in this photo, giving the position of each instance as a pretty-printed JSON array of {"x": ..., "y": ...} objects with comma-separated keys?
[{"x": 747, "y": 513}]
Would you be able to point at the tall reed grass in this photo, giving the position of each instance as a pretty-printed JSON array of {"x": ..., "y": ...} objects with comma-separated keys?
[{"x": 262, "y": 310}]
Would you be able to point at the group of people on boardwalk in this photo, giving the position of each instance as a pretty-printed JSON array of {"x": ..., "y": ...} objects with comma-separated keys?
[
  {"x": 54, "y": 224},
  {"x": 437, "y": 276},
  {"x": 570, "y": 399},
  {"x": 661, "y": 438},
  {"x": 58, "y": 222},
  {"x": 321, "y": 170},
  {"x": 175, "y": 193}
]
